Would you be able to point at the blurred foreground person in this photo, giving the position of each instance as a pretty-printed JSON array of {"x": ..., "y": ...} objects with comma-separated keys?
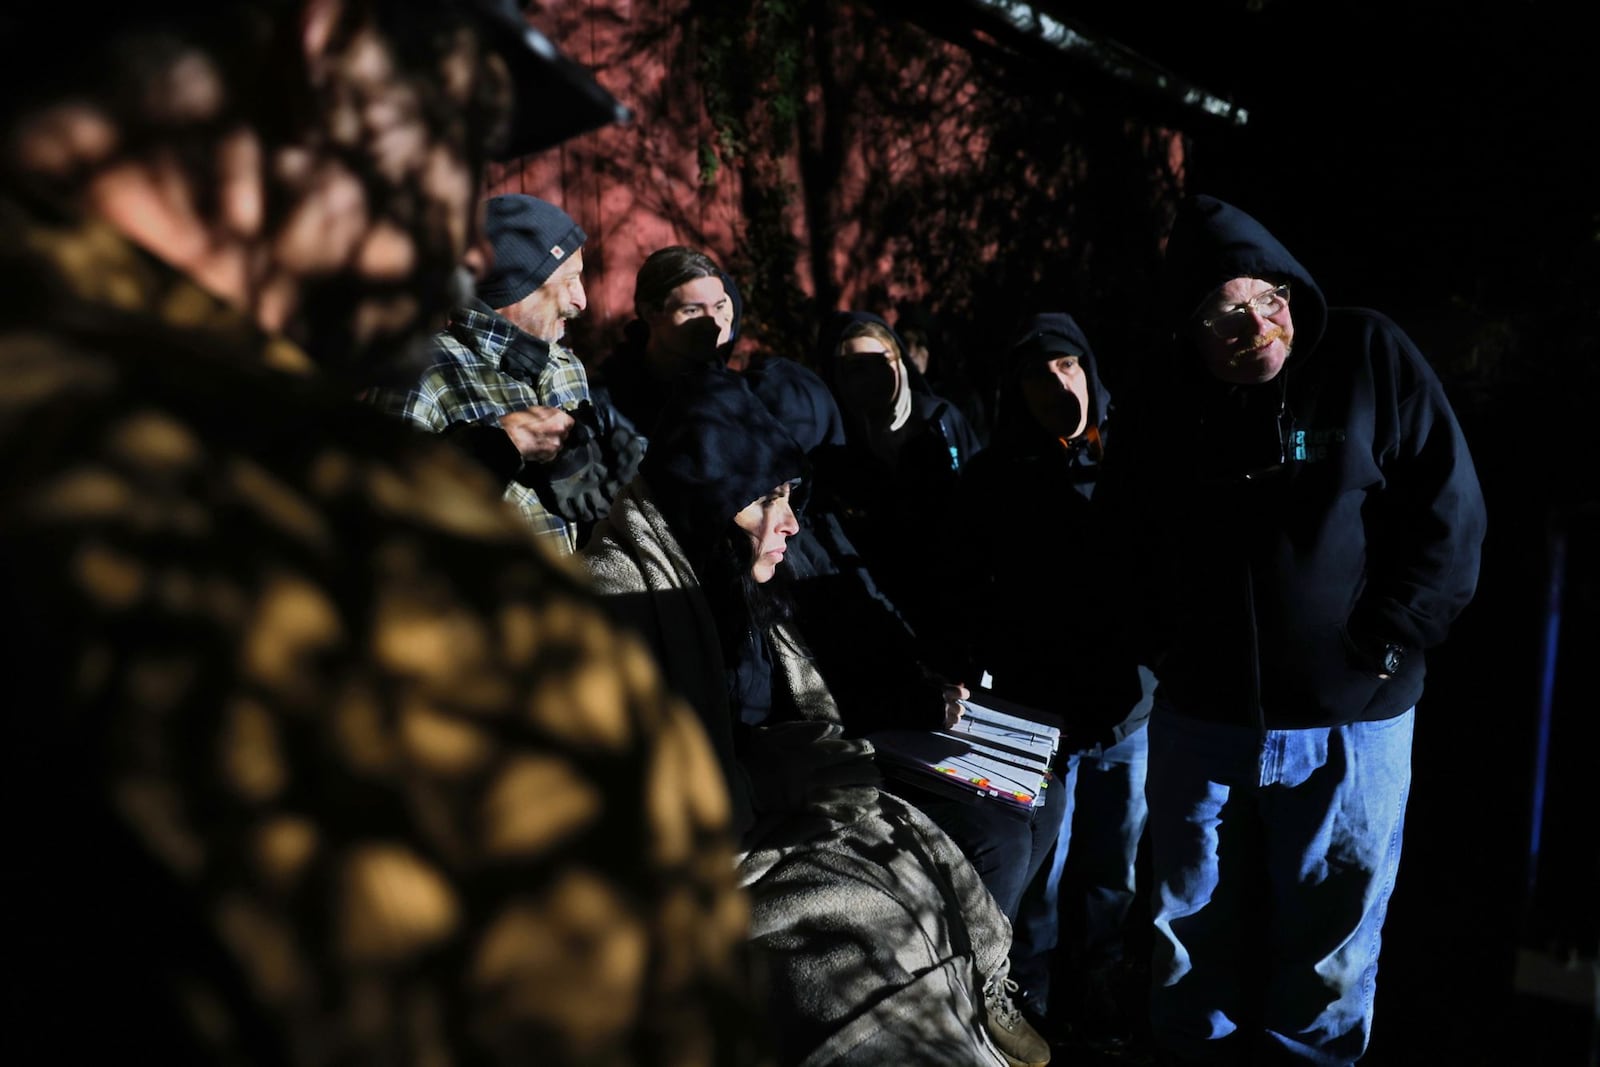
[{"x": 314, "y": 759}]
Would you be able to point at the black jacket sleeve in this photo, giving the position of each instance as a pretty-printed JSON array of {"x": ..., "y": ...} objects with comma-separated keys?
[{"x": 1427, "y": 521}]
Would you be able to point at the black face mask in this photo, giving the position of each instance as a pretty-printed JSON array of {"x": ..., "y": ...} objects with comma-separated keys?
[
  {"x": 695, "y": 341},
  {"x": 867, "y": 384},
  {"x": 1065, "y": 410}
]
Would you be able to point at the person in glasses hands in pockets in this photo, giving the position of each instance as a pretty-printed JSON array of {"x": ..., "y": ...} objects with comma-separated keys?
[{"x": 1299, "y": 520}]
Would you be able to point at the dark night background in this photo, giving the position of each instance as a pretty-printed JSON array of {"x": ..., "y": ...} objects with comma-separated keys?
[{"x": 1437, "y": 162}]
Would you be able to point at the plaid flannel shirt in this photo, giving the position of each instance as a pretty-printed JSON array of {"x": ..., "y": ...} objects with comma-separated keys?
[{"x": 466, "y": 384}]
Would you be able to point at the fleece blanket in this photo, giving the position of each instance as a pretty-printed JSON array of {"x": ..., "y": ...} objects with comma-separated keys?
[{"x": 873, "y": 932}]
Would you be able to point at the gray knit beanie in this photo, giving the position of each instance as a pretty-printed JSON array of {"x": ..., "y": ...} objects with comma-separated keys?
[{"x": 531, "y": 239}]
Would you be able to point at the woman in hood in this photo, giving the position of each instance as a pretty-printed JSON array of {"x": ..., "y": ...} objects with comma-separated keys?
[
  {"x": 877, "y": 940},
  {"x": 897, "y": 491},
  {"x": 872, "y": 660}
]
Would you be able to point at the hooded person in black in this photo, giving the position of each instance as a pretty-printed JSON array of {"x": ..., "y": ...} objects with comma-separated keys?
[
  {"x": 871, "y": 659},
  {"x": 1341, "y": 488},
  {"x": 1036, "y": 623},
  {"x": 896, "y": 493},
  {"x": 861, "y": 643},
  {"x": 879, "y": 942},
  {"x": 1303, "y": 520},
  {"x": 1034, "y": 616}
]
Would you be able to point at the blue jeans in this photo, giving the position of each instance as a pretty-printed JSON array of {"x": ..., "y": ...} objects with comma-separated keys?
[
  {"x": 1099, "y": 836},
  {"x": 1272, "y": 856}
]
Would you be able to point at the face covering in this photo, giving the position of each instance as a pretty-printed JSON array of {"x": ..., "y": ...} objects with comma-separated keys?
[
  {"x": 875, "y": 389},
  {"x": 1059, "y": 413}
]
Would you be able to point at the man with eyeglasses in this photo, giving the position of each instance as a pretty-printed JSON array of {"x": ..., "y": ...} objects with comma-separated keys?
[{"x": 1300, "y": 519}]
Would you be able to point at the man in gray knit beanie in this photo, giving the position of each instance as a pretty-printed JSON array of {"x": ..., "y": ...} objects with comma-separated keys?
[{"x": 502, "y": 384}]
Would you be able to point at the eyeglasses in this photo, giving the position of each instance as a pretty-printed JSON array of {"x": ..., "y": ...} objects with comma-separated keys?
[{"x": 1235, "y": 319}]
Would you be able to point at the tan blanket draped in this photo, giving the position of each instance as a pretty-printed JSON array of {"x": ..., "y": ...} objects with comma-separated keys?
[{"x": 875, "y": 934}]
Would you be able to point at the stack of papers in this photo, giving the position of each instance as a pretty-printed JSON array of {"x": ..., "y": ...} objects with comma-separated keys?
[{"x": 1003, "y": 755}]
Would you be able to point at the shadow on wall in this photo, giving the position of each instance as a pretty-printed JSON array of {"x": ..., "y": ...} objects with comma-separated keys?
[{"x": 831, "y": 157}]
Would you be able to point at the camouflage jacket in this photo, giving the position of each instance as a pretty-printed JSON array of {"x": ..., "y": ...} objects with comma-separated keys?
[{"x": 314, "y": 758}]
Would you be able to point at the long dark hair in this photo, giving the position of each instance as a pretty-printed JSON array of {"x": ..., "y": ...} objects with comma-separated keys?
[
  {"x": 664, "y": 270},
  {"x": 739, "y": 603}
]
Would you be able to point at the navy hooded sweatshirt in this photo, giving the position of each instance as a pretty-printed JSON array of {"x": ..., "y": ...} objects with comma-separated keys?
[
  {"x": 1277, "y": 534},
  {"x": 1033, "y": 595}
]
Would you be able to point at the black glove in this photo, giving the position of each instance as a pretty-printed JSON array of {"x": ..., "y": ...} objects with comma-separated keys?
[
  {"x": 623, "y": 448},
  {"x": 593, "y": 466}
]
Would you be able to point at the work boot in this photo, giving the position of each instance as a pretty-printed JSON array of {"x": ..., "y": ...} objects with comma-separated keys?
[{"x": 1011, "y": 1033}]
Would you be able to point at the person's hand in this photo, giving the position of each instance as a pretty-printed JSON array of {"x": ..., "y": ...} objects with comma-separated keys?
[
  {"x": 954, "y": 694},
  {"x": 538, "y": 432},
  {"x": 594, "y": 465}
]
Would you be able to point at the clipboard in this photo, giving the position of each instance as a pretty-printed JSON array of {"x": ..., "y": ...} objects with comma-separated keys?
[{"x": 1001, "y": 753}]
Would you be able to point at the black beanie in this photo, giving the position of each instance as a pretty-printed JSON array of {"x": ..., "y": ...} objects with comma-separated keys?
[{"x": 530, "y": 238}]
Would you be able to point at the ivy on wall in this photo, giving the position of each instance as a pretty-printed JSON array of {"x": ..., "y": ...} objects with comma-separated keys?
[
  {"x": 892, "y": 164},
  {"x": 749, "y": 63}
]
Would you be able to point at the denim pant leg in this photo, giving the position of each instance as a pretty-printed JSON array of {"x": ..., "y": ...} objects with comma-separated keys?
[
  {"x": 1315, "y": 817},
  {"x": 1109, "y": 821},
  {"x": 1202, "y": 777},
  {"x": 1035, "y": 930},
  {"x": 1334, "y": 819}
]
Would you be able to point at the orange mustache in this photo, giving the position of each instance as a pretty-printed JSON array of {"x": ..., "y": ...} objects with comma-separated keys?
[{"x": 1255, "y": 346}]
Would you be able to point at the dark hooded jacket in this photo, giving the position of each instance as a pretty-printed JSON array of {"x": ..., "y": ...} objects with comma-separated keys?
[
  {"x": 1280, "y": 535},
  {"x": 1018, "y": 434},
  {"x": 896, "y": 493},
  {"x": 859, "y": 641},
  {"x": 675, "y": 569},
  {"x": 1033, "y": 595},
  {"x": 718, "y": 450}
]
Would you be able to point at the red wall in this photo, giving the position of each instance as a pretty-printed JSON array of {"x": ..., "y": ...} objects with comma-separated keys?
[
  {"x": 897, "y": 124},
  {"x": 632, "y": 188}
]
